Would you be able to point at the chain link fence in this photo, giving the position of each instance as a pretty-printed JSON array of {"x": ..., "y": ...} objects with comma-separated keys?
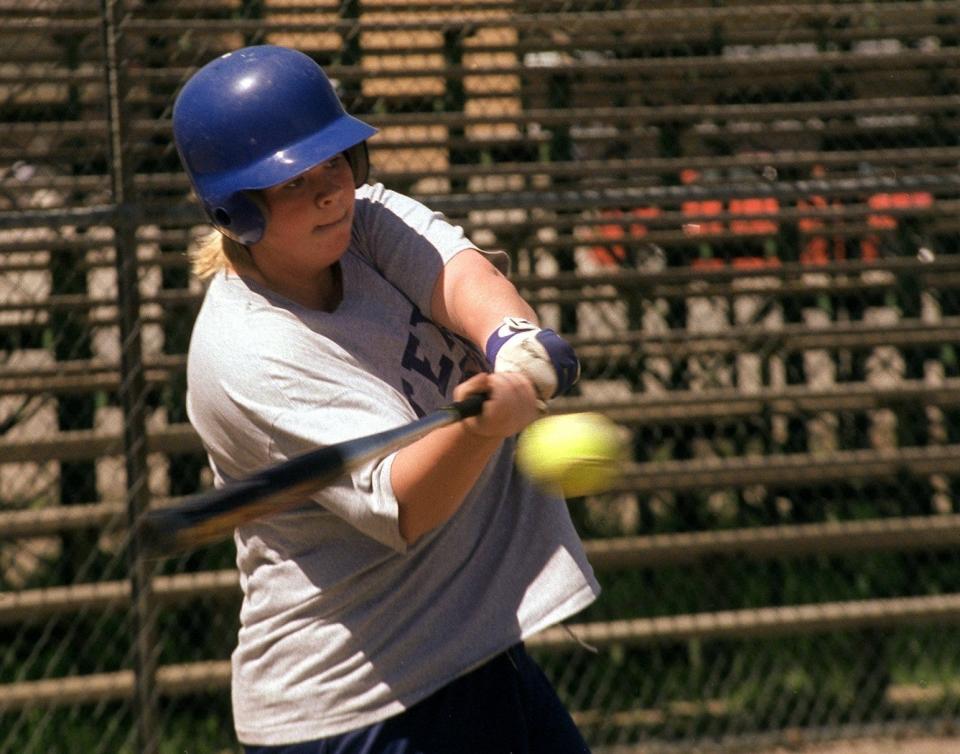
[{"x": 744, "y": 215}]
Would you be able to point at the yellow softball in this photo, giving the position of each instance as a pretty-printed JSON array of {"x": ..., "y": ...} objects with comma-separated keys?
[{"x": 577, "y": 454}]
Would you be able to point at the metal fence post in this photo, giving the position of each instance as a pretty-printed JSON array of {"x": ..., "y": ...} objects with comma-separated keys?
[{"x": 132, "y": 391}]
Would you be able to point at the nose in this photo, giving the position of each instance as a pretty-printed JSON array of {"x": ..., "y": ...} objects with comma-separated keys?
[
  {"x": 324, "y": 188},
  {"x": 324, "y": 198}
]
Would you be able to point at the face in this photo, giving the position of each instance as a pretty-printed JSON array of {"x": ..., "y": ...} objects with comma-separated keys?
[{"x": 308, "y": 221}]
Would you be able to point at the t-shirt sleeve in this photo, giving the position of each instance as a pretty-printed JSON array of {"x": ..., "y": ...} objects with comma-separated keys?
[
  {"x": 274, "y": 395},
  {"x": 408, "y": 242},
  {"x": 364, "y": 497}
]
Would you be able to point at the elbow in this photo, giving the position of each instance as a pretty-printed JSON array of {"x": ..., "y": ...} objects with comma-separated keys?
[
  {"x": 412, "y": 528},
  {"x": 423, "y": 513}
]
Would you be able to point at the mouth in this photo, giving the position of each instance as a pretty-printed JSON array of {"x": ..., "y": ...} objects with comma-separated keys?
[{"x": 337, "y": 221}]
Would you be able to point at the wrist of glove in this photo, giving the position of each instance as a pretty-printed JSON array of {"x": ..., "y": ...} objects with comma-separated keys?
[{"x": 518, "y": 345}]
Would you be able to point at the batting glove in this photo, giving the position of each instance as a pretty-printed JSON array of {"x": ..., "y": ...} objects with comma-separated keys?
[{"x": 548, "y": 360}]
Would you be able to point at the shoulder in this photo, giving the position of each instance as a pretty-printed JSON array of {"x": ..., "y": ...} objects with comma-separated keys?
[
  {"x": 385, "y": 214},
  {"x": 376, "y": 204},
  {"x": 378, "y": 194},
  {"x": 244, "y": 340}
]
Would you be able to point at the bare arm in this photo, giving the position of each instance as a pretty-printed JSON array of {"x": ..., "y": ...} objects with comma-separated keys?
[
  {"x": 432, "y": 476},
  {"x": 471, "y": 297}
]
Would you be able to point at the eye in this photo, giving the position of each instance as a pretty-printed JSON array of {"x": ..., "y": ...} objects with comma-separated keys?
[
  {"x": 295, "y": 183},
  {"x": 334, "y": 161}
]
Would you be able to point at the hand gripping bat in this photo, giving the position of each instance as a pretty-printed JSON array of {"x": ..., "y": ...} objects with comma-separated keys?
[{"x": 210, "y": 516}]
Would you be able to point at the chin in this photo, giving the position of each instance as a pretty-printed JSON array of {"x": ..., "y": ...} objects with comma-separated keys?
[{"x": 335, "y": 241}]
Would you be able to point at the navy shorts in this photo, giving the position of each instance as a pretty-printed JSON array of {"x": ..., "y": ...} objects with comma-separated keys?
[{"x": 506, "y": 706}]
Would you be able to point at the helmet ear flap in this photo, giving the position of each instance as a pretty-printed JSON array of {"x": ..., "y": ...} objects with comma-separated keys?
[
  {"x": 359, "y": 159},
  {"x": 239, "y": 217}
]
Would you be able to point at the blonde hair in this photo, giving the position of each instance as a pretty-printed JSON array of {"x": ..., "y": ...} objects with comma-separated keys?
[{"x": 217, "y": 252}]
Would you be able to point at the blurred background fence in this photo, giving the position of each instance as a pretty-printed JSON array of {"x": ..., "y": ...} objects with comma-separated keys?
[{"x": 743, "y": 213}]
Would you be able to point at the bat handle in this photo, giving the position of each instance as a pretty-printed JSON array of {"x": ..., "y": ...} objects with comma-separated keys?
[{"x": 472, "y": 405}]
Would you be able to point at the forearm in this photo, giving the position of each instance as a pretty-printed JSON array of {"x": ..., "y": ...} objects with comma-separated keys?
[
  {"x": 474, "y": 300},
  {"x": 472, "y": 297},
  {"x": 432, "y": 476}
]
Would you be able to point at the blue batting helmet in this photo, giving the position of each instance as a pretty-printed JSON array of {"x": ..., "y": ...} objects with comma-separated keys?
[{"x": 254, "y": 118}]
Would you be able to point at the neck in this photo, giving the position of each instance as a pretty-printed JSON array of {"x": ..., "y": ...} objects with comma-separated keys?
[{"x": 321, "y": 292}]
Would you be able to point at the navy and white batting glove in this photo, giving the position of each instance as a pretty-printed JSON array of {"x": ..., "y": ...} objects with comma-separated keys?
[{"x": 518, "y": 345}]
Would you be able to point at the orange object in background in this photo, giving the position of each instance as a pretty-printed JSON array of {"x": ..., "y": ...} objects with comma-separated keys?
[
  {"x": 755, "y": 263},
  {"x": 754, "y": 206},
  {"x": 698, "y": 209},
  {"x": 818, "y": 249},
  {"x": 708, "y": 264},
  {"x": 614, "y": 253},
  {"x": 738, "y": 263},
  {"x": 901, "y": 200}
]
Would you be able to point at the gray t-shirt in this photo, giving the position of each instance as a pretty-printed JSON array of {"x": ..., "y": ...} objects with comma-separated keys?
[{"x": 342, "y": 624}]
